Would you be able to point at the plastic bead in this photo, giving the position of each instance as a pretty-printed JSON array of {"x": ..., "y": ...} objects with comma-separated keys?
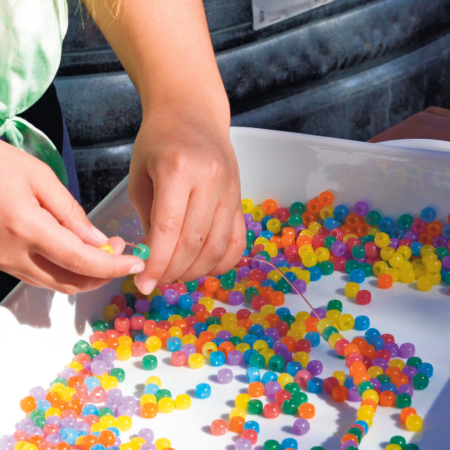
[{"x": 142, "y": 251}]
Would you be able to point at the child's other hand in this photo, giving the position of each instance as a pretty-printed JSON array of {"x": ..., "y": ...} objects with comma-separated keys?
[
  {"x": 46, "y": 239},
  {"x": 184, "y": 183}
]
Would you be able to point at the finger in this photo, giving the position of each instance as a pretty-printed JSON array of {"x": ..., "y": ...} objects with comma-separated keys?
[
  {"x": 236, "y": 246},
  {"x": 60, "y": 246},
  {"x": 59, "y": 202},
  {"x": 196, "y": 227},
  {"x": 171, "y": 198}
]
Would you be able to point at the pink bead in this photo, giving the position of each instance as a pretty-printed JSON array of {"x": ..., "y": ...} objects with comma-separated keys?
[
  {"x": 363, "y": 297},
  {"x": 419, "y": 226},
  {"x": 302, "y": 377},
  {"x": 138, "y": 349},
  {"x": 338, "y": 233},
  {"x": 178, "y": 358},
  {"x": 97, "y": 395},
  {"x": 406, "y": 242},
  {"x": 340, "y": 346},
  {"x": 180, "y": 288},
  {"x": 371, "y": 249},
  {"x": 353, "y": 357},
  {"x": 291, "y": 250}
]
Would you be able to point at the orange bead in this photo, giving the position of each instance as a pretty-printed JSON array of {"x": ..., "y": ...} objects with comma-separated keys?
[
  {"x": 339, "y": 393},
  {"x": 180, "y": 323},
  {"x": 359, "y": 341},
  {"x": 62, "y": 446},
  {"x": 287, "y": 240},
  {"x": 201, "y": 316},
  {"x": 425, "y": 239},
  {"x": 307, "y": 410},
  {"x": 265, "y": 292},
  {"x": 360, "y": 377},
  {"x": 112, "y": 343},
  {"x": 255, "y": 389},
  {"x": 82, "y": 358},
  {"x": 253, "y": 283},
  {"x": 303, "y": 239},
  {"x": 272, "y": 319},
  {"x": 368, "y": 350},
  {"x": 226, "y": 347},
  {"x": 277, "y": 298},
  {"x": 434, "y": 228},
  {"x": 311, "y": 324},
  {"x": 36, "y": 440},
  {"x": 349, "y": 437},
  {"x": 73, "y": 381},
  {"x": 236, "y": 424},
  {"x": 163, "y": 335},
  {"x": 371, "y": 403},
  {"x": 326, "y": 198},
  {"x": 392, "y": 371},
  {"x": 357, "y": 367},
  {"x": 277, "y": 241},
  {"x": 362, "y": 230},
  {"x": 199, "y": 343},
  {"x": 313, "y": 206},
  {"x": 351, "y": 348},
  {"x": 205, "y": 292},
  {"x": 206, "y": 336},
  {"x": 269, "y": 206},
  {"x": 290, "y": 343},
  {"x": 149, "y": 410},
  {"x": 222, "y": 295},
  {"x": 212, "y": 284},
  {"x": 89, "y": 441},
  {"x": 28, "y": 404},
  {"x": 352, "y": 220},
  {"x": 309, "y": 217},
  {"x": 246, "y": 323},
  {"x": 347, "y": 229},
  {"x": 406, "y": 412},
  {"x": 288, "y": 231},
  {"x": 400, "y": 379},
  {"x": 387, "y": 398},
  {"x": 385, "y": 281}
]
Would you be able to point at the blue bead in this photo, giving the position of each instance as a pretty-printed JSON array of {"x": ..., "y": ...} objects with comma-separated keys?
[
  {"x": 166, "y": 313},
  {"x": 282, "y": 263},
  {"x": 268, "y": 283},
  {"x": 385, "y": 224},
  {"x": 268, "y": 339},
  {"x": 253, "y": 374},
  {"x": 425, "y": 368},
  {"x": 141, "y": 338},
  {"x": 257, "y": 330},
  {"x": 98, "y": 447},
  {"x": 218, "y": 341},
  {"x": 186, "y": 301},
  {"x": 217, "y": 359},
  {"x": 281, "y": 312},
  {"x": 199, "y": 327},
  {"x": 446, "y": 231},
  {"x": 203, "y": 390},
  {"x": 428, "y": 215},
  {"x": 266, "y": 234},
  {"x": 69, "y": 435},
  {"x": 43, "y": 405},
  {"x": 89, "y": 409},
  {"x": 348, "y": 383},
  {"x": 151, "y": 388},
  {"x": 315, "y": 385},
  {"x": 114, "y": 430},
  {"x": 289, "y": 443},
  {"x": 264, "y": 222},
  {"x": 250, "y": 339},
  {"x": 91, "y": 383},
  {"x": 364, "y": 425},
  {"x": 397, "y": 233},
  {"x": 290, "y": 276},
  {"x": 377, "y": 342},
  {"x": 330, "y": 223},
  {"x": 159, "y": 303},
  {"x": 370, "y": 333},
  {"x": 248, "y": 354},
  {"x": 246, "y": 253},
  {"x": 313, "y": 337},
  {"x": 173, "y": 344},
  {"x": 357, "y": 276},
  {"x": 251, "y": 425},
  {"x": 293, "y": 367},
  {"x": 315, "y": 273},
  {"x": 388, "y": 387},
  {"x": 269, "y": 376},
  {"x": 340, "y": 212},
  {"x": 362, "y": 323},
  {"x": 416, "y": 247}
]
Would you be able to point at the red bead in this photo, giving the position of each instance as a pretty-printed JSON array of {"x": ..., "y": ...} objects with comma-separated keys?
[
  {"x": 257, "y": 275},
  {"x": 339, "y": 263},
  {"x": 272, "y": 410},
  {"x": 189, "y": 331},
  {"x": 190, "y": 321},
  {"x": 388, "y": 338},
  {"x": 244, "y": 262},
  {"x": 330, "y": 383},
  {"x": 351, "y": 243},
  {"x": 137, "y": 322},
  {"x": 128, "y": 311},
  {"x": 256, "y": 249},
  {"x": 243, "y": 314},
  {"x": 303, "y": 345},
  {"x": 371, "y": 249},
  {"x": 340, "y": 346},
  {"x": 178, "y": 358},
  {"x": 281, "y": 396},
  {"x": 164, "y": 324},
  {"x": 383, "y": 354},
  {"x": 282, "y": 328},
  {"x": 251, "y": 435},
  {"x": 367, "y": 362},
  {"x": 138, "y": 349},
  {"x": 122, "y": 324},
  {"x": 317, "y": 241},
  {"x": 197, "y": 308},
  {"x": 258, "y": 302},
  {"x": 119, "y": 300},
  {"x": 282, "y": 214},
  {"x": 218, "y": 427},
  {"x": 363, "y": 297},
  {"x": 338, "y": 234},
  {"x": 149, "y": 327},
  {"x": 180, "y": 288},
  {"x": 406, "y": 242},
  {"x": 218, "y": 312},
  {"x": 291, "y": 250}
]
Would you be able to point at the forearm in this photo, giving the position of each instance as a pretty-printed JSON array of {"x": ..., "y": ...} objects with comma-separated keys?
[{"x": 164, "y": 46}]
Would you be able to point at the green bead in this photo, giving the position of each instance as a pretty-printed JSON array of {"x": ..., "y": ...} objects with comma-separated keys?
[
  {"x": 405, "y": 221},
  {"x": 373, "y": 217},
  {"x": 227, "y": 283},
  {"x": 131, "y": 299},
  {"x": 420, "y": 381},
  {"x": 383, "y": 379},
  {"x": 212, "y": 320},
  {"x": 297, "y": 208},
  {"x": 365, "y": 239},
  {"x": 364, "y": 386},
  {"x": 257, "y": 360},
  {"x": 326, "y": 267},
  {"x": 367, "y": 269},
  {"x": 93, "y": 352},
  {"x": 149, "y": 362},
  {"x": 154, "y": 315},
  {"x": 39, "y": 421},
  {"x": 352, "y": 447},
  {"x": 300, "y": 398},
  {"x": 272, "y": 445},
  {"x": 191, "y": 286},
  {"x": 81, "y": 347},
  {"x": 276, "y": 363},
  {"x": 100, "y": 325},
  {"x": 60, "y": 380},
  {"x": 350, "y": 265},
  {"x": 356, "y": 432},
  {"x": 334, "y": 304},
  {"x": 441, "y": 252},
  {"x": 295, "y": 220},
  {"x": 329, "y": 241},
  {"x": 411, "y": 447},
  {"x": 255, "y": 406},
  {"x": 36, "y": 413},
  {"x": 283, "y": 286},
  {"x": 163, "y": 393},
  {"x": 250, "y": 235},
  {"x": 414, "y": 361},
  {"x": 403, "y": 400},
  {"x": 141, "y": 251},
  {"x": 119, "y": 374},
  {"x": 328, "y": 332},
  {"x": 285, "y": 225},
  {"x": 289, "y": 407},
  {"x": 235, "y": 340},
  {"x": 289, "y": 319},
  {"x": 292, "y": 388},
  {"x": 232, "y": 274},
  {"x": 399, "y": 440},
  {"x": 186, "y": 312},
  {"x": 358, "y": 252},
  {"x": 251, "y": 292},
  {"x": 447, "y": 280},
  {"x": 317, "y": 448},
  {"x": 249, "y": 245},
  {"x": 105, "y": 412}
]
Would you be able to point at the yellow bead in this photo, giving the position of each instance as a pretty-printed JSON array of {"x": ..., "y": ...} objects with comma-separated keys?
[
  {"x": 125, "y": 340},
  {"x": 374, "y": 231},
  {"x": 57, "y": 387},
  {"x": 153, "y": 380},
  {"x": 326, "y": 211},
  {"x": 274, "y": 275},
  {"x": 394, "y": 273},
  {"x": 305, "y": 249},
  {"x": 260, "y": 345},
  {"x": 348, "y": 236},
  {"x": 256, "y": 317},
  {"x": 302, "y": 358},
  {"x": 20, "y": 445},
  {"x": 247, "y": 206},
  {"x": 296, "y": 271},
  {"x": 174, "y": 317},
  {"x": 215, "y": 328},
  {"x": 188, "y": 339},
  {"x": 314, "y": 227},
  {"x": 271, "y": 249},
  {"x": 296, "y": 333},
  {"x": 340, "y": 376},
  {"x": 242, "y": 347},
  {"x": 407, "y": 275},
  {"x": 434, "y": 277},
  {"x": 208, "y": 302},
  {"x": 128, "y": 287},
  {"x": 107, "y": 421},
  {"x": 148, "y": 398},
  {"x": 305, "y": 275},
  {"x": 424, "y": 284},
  {"x": 153, "y": 344},
  {"x": 346, "y": 322},
  {"x": 123, "y": 353},
  {"x": 240, "y": 332},
  {"x": 239, "y": 287},
  {"x": 406, "y": 265},
  {"x": 387, "y": 253},
  {"x": 75, "y": 366},
  {"x": 374, "y": 371},
  {"x": 268, "y": 309},
  {"x": 307, "y": 233},
  {"x": 166, "y": 405},
  {"x": 267, "y": 354},
  {"x": 302, "y": 316},
  {"x": 397, "y": 363},
  {"x": 241, "y": 401},
  {"x": 420, "y": 270},
  {"x": 333, "y": 339},
  {"x": 107, "y": 248},
  {"x": 29, "y": 447},
  {"x": 162, "y": 444},
  {"x": 393, "y": 447},
  {"x": 370, "y": 394},
  {"x": 284, "y": 379},
  {"x": 124, "y": 423},
  {"x": 309, "y": 260},
  {"x": 426, "y": 250},
  {"x": 52, "y": 412},
  {"x": 258, "y": 214},
  {"x": 365, "y": 411},
  {"x": 274, "y": 225},
  {"x": 67, "y": 393},
  {"x": 396, "y": 260},
  {"x": 155, "y": 292},
  {"x": 351, "y": 289},
  {"x": 238, "y": 412},
  {"x": 196, "y": 361},
  {"x": 379, "y": 268},
  {"x": 126, "y": 446},
  {"x": 322, "y": 324},
  {"x": 138, "y": 442},
  {"x": 182, "y": 401},
  {"x": 176, "y": 332},
  {"x": 229, "y": 318},
  {"x": 110, "y": 312},
  {"x": 99, "y": 345},
  {"x": 333, "y": 315},
  {"x": 208, "y": 348},
  {"x": 300, "y": 326},
  {"x": 434, "y": 266},
  {"x": 405, "y": 251},
  {"x": 98, "y": 427},
  {"x": 414, "y": 423},
  {"x": 382, "y": 240}
]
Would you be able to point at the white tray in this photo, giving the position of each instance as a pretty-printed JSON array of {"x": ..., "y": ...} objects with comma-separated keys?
[{"x": 38, "y": 328}]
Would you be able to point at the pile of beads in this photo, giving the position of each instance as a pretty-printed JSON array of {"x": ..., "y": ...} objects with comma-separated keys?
[{"x": 399, "y": 443}]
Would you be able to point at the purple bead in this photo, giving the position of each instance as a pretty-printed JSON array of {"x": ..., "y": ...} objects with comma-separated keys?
[
  {"x": 409, "y": 371},
  {"x": 353, "y": 395},
  {"x": 98, "y": 357},
  {"x": 394, "y": 243},
  {"x": 148, "y": 447},
  {"x": 411, "y": 235},
  {"x": 256, "y": 227},
  {"x": 243, "y": 444},
  {"x": 361, "y": 260},
  {"x": 338, "y": 248},
  {"x": 143, "y": 306},
  {"x": 68, "y": 422},
  {"x": 361, "y": 209},
  {"x": 407, "y": 350},
  {"x": 259, "y": 262},
  {"x": 82, "y": 426},
  {"x": 146, "y": 434},
  {"x": 112, "y": 404},
  {"x": 271, "y": 388},
  {"x": 287, "y": 356},
  {"x": 98, "y": 367},
  {"x": 272, "y": 332},
  {"x": 375, "y": 383},
  {"x": 446, "y": 262},
  {"x": 235, "y": 358},
  {"x": 315, "y": 367},
  {"x": 299, "y": 229},
  {"x": 405, "y": 389},
  {"x": 188, "y": 349},
  {"x": 392, "y": 348},
  {"x": 53, "y": 438},
  {"x": 320, "y": 312},
  {"x": 25, "y": 424},
  {"x": 279, "y": 346},
  {"x": 224, "y": 334},
  {"x": 171, "y": 296},
  {"x": 118, "y": 442},
  {"x": 87, "y": 366},
  {"x": 243, "y": 272},
  {"x": 65, "y": 373},
  {"x": 114, "y": 394},
  {"x": 440, "y": 241},
  {"x": 129, "y": 401},
  {"x": 7, "y": 442},
  {"x": 125, "y": 410},
  {"x": 298, "y": 264},
  {"x": 224, "y": 376},
  {"x": 348, "y": 444},
  {"x": 380, "y": 362},
  {"x": 109, "y": 366},
  {"x": 301, "y": 426},
  {"x": 300, "y": 285},
  {"x": 35, "y": 431},
  {"x": 53, "y": 420},
  {"x": 201, "y": 280},
  {"x": 196, "y": 296},
  {"x": 248, "y": 218},
  {"x": 235, "y": 298}
]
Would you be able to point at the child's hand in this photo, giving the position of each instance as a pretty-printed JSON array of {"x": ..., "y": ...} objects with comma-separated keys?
[
  {"x": 45, "y": 236},
  {"x": 184, "y": 183}
]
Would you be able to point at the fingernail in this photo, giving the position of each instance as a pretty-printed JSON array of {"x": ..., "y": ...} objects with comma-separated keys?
[
  {"x": 148, "y": 286},
  {"x": 99, "y": 235},
  {"x": 137, "y": 268}
]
